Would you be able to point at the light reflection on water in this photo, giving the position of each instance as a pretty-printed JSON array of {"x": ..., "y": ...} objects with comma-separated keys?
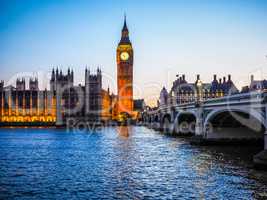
[{"x": 122, "y": 162}]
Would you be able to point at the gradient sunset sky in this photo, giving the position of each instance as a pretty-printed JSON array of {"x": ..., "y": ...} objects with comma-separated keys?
[{"x": 168, "y": 37}]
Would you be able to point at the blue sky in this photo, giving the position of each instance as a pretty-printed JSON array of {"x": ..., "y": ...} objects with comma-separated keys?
[{"x": 169, "y": 37}]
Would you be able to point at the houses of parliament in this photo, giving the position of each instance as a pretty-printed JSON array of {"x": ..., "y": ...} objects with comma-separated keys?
[
  {"x": 89, "y": 102},
  {"x": 64, "y": 100}
]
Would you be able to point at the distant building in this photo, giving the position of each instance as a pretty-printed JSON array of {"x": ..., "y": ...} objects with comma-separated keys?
[
  {"x": 20, "y": 105},
  {"x": 33, "y": 84},
  {"x": 107, "y": 107},
  {"x": 20, "y": 84},
  {"x": 58, "y": 79},
  {"x": 184, "y": 92},
  {"x": 139, "y": 105},
  {"x": 255, "y": 85},
  {"x": 89, "y": 102},
  {"x": 63, "y": 91},
  {"x": 93, "y": 95},
  {"x": 222, "y": 88},
  {"x": 114, "y": 103}
]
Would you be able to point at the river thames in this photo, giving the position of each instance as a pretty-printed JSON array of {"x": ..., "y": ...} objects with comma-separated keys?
[{"x": 122, "y": 163}]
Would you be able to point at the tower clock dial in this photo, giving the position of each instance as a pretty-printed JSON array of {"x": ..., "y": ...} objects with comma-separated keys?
[{"x": 124, "y": 56}]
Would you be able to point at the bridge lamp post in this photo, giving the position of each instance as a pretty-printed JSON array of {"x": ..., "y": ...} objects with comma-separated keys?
[{"x": 199, "y": 86}]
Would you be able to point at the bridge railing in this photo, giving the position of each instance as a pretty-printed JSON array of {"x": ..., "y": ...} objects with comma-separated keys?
[{"x": 254, "y": 96}]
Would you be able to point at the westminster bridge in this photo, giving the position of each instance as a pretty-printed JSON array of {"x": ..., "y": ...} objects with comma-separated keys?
[{"x": 233, "y": 118}]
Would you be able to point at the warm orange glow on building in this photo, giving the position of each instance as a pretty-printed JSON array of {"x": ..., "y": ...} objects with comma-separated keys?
[
  {"x": 28, "y": 119},
  {"x": 114, "y": 102},
  {"x": 27, "y": 106},
  {"x": 125, "y": 73},
  {"x": 106, "y": 105}
]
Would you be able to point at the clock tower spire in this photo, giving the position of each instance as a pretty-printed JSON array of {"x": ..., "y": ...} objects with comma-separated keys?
[
  {"x": 125, "y": 72},
  {"x": 125, "y": 33}
]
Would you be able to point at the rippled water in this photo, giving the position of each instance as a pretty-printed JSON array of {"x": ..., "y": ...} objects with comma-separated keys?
[{"x": 122, "y": 163}]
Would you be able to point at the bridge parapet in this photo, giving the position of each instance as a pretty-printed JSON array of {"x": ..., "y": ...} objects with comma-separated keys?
[
  {"x": 252, "y": 97},
  {"x": 255, "y": 100}
]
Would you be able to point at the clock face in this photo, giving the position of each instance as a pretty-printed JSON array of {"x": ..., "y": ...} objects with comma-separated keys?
[{"x": 124, "y": 56}]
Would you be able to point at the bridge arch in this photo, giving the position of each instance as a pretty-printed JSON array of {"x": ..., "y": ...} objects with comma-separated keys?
[
  {"x": 235, "y": 123},
  {"x": 184, "y": 122}
]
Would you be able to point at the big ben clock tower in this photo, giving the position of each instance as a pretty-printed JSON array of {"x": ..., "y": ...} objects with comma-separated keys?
[{"x": 125, "y": 72}]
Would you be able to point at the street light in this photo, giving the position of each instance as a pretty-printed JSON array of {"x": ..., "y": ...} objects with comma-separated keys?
[{"x": 199, "y": 86}]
